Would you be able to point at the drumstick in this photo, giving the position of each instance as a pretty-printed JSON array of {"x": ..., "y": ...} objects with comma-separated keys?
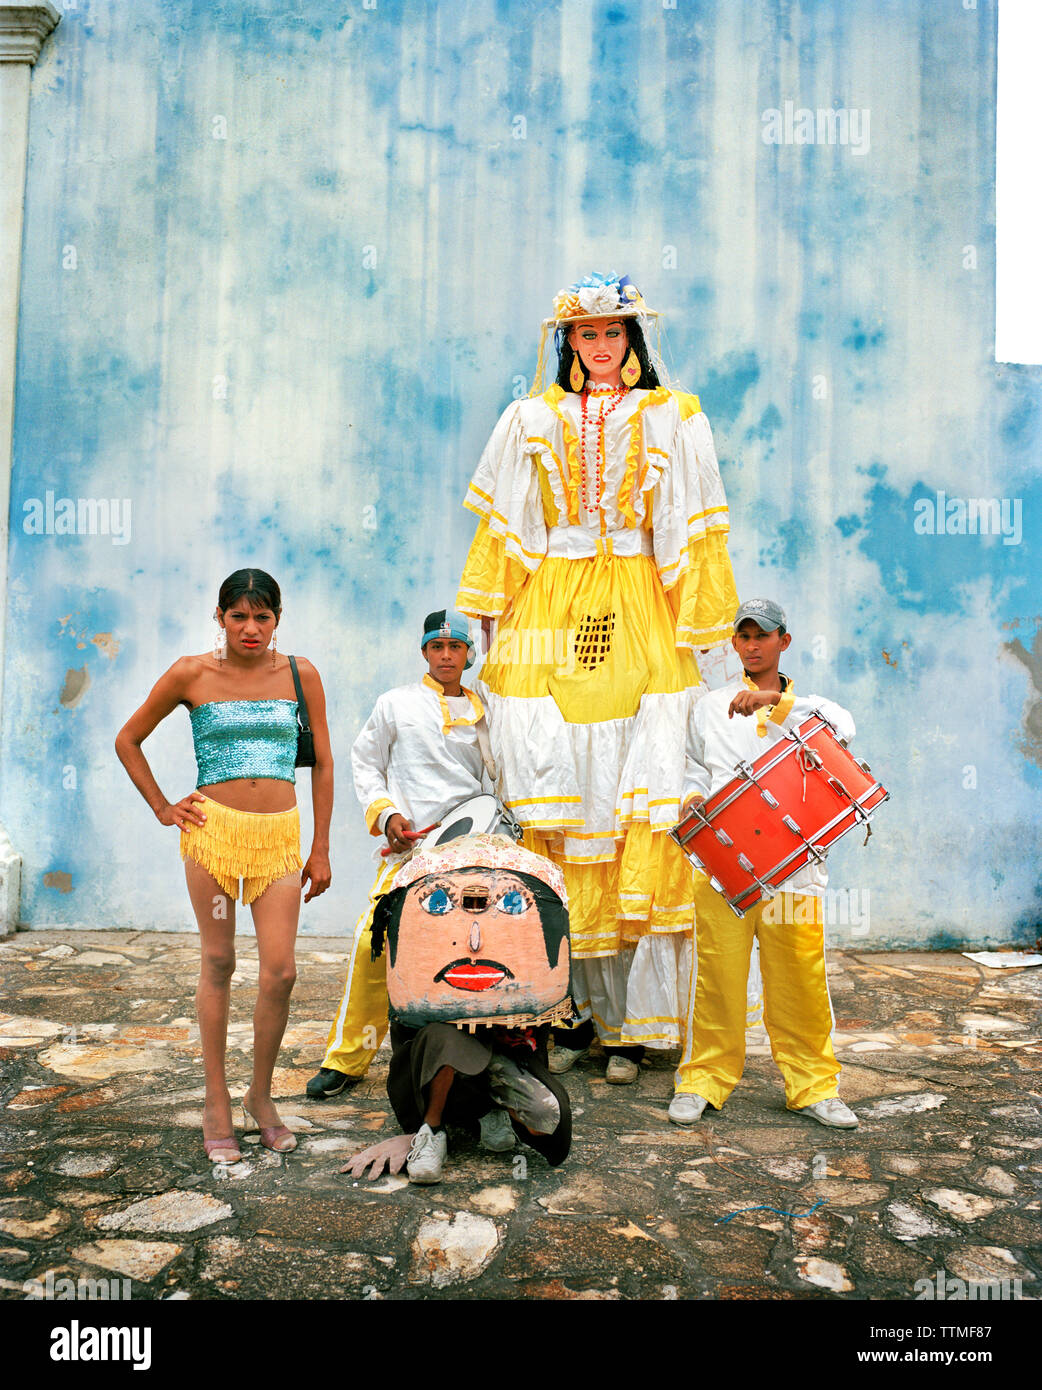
[{"x": 411, "y": 835}]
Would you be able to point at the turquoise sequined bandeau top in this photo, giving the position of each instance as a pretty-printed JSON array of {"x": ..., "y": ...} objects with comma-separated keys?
[{"x": 245, "y": 738}]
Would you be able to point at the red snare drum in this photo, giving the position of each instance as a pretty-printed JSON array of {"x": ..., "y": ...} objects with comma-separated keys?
[{"x": 791, "y": 806}]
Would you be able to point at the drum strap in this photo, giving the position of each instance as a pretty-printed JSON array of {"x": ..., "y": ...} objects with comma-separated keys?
[
  {"x": 481, "y": 729},
  {"x": 485, "y": 748}
]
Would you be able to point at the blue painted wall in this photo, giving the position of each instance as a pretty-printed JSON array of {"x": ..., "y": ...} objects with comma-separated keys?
[{"x": 284, "y": 265}]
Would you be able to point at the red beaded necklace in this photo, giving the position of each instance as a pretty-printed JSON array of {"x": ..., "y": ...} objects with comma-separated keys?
[{"x": 605, "y": 411}]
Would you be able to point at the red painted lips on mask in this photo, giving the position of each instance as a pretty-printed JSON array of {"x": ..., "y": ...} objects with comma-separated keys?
[{"x": 473, "y": 974}]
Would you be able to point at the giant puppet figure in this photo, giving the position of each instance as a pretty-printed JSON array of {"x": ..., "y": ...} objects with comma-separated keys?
[
  {"x": 475, "y": 935},
  {"x": 601, "y": 554}
]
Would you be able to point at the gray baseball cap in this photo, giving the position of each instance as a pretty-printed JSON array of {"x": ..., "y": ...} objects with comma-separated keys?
[{"x": 763, "y": 612}]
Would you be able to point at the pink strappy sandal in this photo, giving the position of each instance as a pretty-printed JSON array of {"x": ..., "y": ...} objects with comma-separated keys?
[
  {"x": 223, "y": 1150},
  {"x": 272, "y": 1137}
]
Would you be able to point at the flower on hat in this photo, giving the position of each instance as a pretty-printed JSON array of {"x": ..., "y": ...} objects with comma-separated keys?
[
  {"x": 567, "y": 306},
  {"x": 599, "y": 299},
  {"x": 597, "y": 294},
  {"x": 628, "y": 292}
]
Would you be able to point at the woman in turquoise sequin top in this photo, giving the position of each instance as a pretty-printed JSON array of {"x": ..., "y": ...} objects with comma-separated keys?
[{"x": 243, "y": 708}]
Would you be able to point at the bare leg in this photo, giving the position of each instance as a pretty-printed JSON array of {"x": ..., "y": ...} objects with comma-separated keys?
[
  {"x": 275, "y": 915},
  {"x": 439, "y": 1094},
  {"x": 215, "y": 914}
]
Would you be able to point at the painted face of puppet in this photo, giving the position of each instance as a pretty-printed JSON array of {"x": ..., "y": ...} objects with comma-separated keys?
[
  {"x": 602, "y": 345},
  {"x": 477, "y": 943}
]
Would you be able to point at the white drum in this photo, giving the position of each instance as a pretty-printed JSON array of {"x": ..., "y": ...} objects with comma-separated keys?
[{"x": 480, "y": 815}]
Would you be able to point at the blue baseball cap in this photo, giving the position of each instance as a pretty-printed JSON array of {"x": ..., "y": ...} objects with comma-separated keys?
[{"x": 445, "y": 622}]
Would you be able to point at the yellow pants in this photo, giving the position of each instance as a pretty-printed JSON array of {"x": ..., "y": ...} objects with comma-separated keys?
[
  {"x": 361, "y": 1024},
  {"x": 797, "y": 1011}
]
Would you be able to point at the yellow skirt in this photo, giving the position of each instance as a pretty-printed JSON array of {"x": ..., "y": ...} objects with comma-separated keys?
[
  {"x": 647, "y": 888},
  {"x": 589, "y": 702},
  {"x": 595, "y": 634},
  {"x": 256, "y": 846}
]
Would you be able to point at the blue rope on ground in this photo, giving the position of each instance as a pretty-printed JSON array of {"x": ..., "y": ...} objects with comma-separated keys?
[{"x": 723, "y": 1220}]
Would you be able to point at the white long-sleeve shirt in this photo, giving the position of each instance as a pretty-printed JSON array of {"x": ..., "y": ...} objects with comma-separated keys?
[
  {"x": 418, "y": 755},
  {"x": 716, "y": 744}
]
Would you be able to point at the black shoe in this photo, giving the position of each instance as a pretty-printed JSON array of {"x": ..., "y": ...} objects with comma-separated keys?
[{"x": 329, "y": 1083}]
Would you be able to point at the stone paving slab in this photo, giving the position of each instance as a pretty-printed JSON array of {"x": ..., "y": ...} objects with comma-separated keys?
[{"x": 102, "y": 1172}]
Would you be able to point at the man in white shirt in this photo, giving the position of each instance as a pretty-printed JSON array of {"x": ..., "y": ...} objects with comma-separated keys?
[
  {"x": 416, "y": 758},
  {"x": 736, "y": 724}
]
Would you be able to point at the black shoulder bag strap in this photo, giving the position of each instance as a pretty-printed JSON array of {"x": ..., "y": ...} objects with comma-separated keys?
[{"x": 305, "y": 739}]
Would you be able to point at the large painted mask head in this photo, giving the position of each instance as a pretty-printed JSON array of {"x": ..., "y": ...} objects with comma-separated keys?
[{"x": 473, "y": 934}]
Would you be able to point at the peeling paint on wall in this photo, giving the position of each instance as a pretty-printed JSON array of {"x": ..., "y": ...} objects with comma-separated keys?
[
  {"x": 75, "y": 687},
  {"x": 106, "y": 644},
  {"x": 67, "y": 628},
  {"x": 58, "y": 879},
  {"x": 1031, "y": 742}
]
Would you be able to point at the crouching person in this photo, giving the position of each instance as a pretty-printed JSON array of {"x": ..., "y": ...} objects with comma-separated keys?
[
  {"x": 441, "y": 1075},
  {"x": 477, "y": 968}
]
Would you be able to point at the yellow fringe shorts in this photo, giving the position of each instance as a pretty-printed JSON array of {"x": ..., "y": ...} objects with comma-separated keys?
[{"x": 258, "y": 847}]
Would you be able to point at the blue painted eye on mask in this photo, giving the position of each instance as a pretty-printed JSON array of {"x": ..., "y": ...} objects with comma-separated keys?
[
  {"x": 512, "y": 902},
  {"x": 437, "y": 903}
]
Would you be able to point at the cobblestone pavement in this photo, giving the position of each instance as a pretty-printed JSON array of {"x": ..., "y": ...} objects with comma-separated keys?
[{"x": 102, "y": 1172}]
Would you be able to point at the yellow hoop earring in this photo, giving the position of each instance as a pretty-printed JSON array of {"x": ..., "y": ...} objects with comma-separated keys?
[
  {"x": 631, "y": 369},
  {"x": 576, "y": 379}
]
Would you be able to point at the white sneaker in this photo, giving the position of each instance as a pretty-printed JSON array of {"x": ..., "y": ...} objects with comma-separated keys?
[
  {"x": 497, "y": 1133},
  {"x": 427, "y": 1155},
  {"x": 621, "y": 1071},
  {"x": 686, "y": 1108},
  {"x": 562, "y": 1059},
  {"x": 831, "y": 1112}
]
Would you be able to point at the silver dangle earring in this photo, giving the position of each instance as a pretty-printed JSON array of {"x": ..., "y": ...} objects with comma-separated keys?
[
  {"x": 220, "y": 642},
  {"x": 274, "y": 635}
]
